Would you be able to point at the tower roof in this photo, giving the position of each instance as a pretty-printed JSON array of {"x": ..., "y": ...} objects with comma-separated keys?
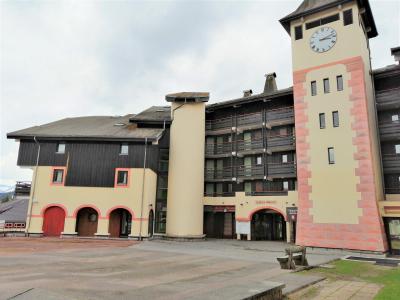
[{"x": 308, "y": 7}]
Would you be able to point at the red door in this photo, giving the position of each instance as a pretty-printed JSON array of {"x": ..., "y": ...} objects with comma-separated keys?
[{"x": 53, "y": 223}]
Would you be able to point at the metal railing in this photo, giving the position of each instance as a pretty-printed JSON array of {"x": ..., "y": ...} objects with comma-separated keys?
[
  {"x": 281, "y": 169},
  {"x": 247, "y": 145},
  {"x": 219, "y": 148},
  {"x": 217, "y": 124},
  {"x": 395, "y": 190},
  {"x": 388, "y": 97},
  {"x": 250, "y": 171},
  {"x": 280, "y": 114},
  {"x": 223, "y": 194},
  {"x": 267, "y": 193},
  {"x": 249, "y": 119},
  {"x": 280, "y": 141},
  {"x": 389, "y": 128},
  {"x": 212, "y": 174}
]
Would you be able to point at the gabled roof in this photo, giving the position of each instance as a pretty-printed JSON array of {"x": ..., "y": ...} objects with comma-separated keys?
[
  {"x": 308, "y": 7},
  {"x": 104, "y": 128},
  {"x": 153, "y": 115},
  {"x": 14, "y": 210}
]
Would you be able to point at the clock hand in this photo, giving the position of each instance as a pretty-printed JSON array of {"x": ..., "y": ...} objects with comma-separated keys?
[{"x": 327, "y": 37}]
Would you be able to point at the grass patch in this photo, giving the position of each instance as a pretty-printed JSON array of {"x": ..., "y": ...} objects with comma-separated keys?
[{"x": 362, "y": 271}]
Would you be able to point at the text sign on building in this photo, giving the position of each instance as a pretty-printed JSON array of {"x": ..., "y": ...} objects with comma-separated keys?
[{"x": 291, "y": 213}]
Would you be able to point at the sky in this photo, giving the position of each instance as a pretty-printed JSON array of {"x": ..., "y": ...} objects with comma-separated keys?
[{"x": 63, "y": 59}]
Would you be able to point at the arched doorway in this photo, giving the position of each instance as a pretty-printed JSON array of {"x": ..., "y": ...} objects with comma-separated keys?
[
  {"x": 268, "y": 225},
  {"x": 120, "y": 223},
  {"x": 53, "y": 221},
  {"x": 86, "y": 221},
  {"x": 151, "y": 220}
]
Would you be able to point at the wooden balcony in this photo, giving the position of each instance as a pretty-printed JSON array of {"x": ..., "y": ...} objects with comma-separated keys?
[
  {"x": 250, "y": 172},
  {"x": 219, "y": 150},
  {"x": 388, "y": 99},
  {"x": 249, "y": 121},
  {"x": 391, "y": 163},
  {"x": 389, "y": 130},
  {"x": 281, "y": 170},
  {"x": 250, "y": 147},
  {"x": 281, "y": 143},
  {"x": 216, "y": 194},
  {"x": 267, "y": 193},
  {"x": 280, "y": 117},
  {"x": 218, "y": 175},
  {"x": 392, "y": 190},
  {"x": 219, "y": 126}
]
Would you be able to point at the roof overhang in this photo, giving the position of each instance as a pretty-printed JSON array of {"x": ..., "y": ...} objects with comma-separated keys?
[{"x": 186, "y": 97}]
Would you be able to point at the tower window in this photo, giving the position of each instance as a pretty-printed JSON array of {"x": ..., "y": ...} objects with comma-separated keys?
[
  {"x": 322, "y": 123},
  {"x": 124, "y": 149},
  {"x": 313, "y": 88},
  {"x": 61, "y": 148},
  {"x": 331, "y": 155},
  {"x": 326, "y": 86},
  {"x": 322, "y": 21},
  {"x": 339, "y": 82},
  {"x": 335, "y": 118},
  {"x": 298, "y": 32},
  {"x": 348, "y": 17}
]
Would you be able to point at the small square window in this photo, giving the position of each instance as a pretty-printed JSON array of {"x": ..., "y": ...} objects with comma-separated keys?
[
  {"x": 61, "y": 148},
  {"x": 348, "y": 17},
  {"x": 327, "y": 88},
  {"x": 395, "y": 118},
  {"x": 122, "y": 178},
  {"x": 313, "y": 88},
  {"x": 285, "y": 158},
  {"x": 124, "y": 149},
  {"x": 322, "y": 123},
  {"x": 397, "y": 147},
  {"x": 331, "y": 156},
  {"x": 58, "y": 176},
  {"x": 335, "y": 118},
  {"x": 298, "y": 32},
  {"x": 339, "y": 83},
  {"x": 259, "y": 160},
  {"x": 285, "y": 185}
]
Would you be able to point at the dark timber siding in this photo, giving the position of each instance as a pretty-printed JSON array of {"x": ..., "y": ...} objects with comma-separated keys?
[{"x": 89, "y": 163}]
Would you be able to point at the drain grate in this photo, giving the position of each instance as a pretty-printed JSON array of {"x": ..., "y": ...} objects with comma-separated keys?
[{"x": 378, "y": 261}]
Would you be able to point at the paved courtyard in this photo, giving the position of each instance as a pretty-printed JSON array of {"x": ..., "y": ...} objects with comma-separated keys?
[{"x": 92, "y": 269}]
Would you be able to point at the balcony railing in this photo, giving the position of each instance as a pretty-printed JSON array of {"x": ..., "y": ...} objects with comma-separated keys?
[
  {"x": 280, "y": 142},
  {"x": 218, "y": 124},
  {"x": 284, "y": 115},
  {"x": 218, "y": 174},
  {"x": 223, "y": 194},
  {"x": 249, "y": 119},
  {"x": 267, "y": 193},
  {"x": 248, "y": 145},
  {"x": 395, "y": 190},
  {"x": 215, "y": 149},
  {"x": 282, "y": 169},
  {"x": 391, "y": 163},
  {"x": 250, "y": 171},
  {"x": 389, "y": 130},
  {"x": 388, "y": 98}
]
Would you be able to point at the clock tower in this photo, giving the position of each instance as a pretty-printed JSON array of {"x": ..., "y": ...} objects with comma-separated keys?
[{"x": 337, "y": 145}]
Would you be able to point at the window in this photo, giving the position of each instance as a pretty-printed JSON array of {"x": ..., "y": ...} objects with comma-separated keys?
[
  {"x": 220, "y": 189},
  {"x": 348, "y": 17},
  {"x": 322, "y": 123},
  {"x": 326, "y": 86},
  {"x": 322, "y": 21},
  {"x": 339, "y": 83},
  {"x": 397, "y": 147},
  {"x": 285, "y": 185},
  {"x": 58, "y": 176},
  {"x": 61, "y": 147},
  {"x": 122, "y": 177},
  {"x": 395, "y": 118},
  {"x": 247, "y": 187},
  {"x": 124, "y": 149},
  {"x": 298, "y": 32},
  {"x": 335, "y": 118},
  {"x": 331, "y": 156},
  {"x": 209, "y": 189},
  {"x": 259, "y": 160},
  {"x": 313, "y": 88},
  {"x": 285, "y": 158}
]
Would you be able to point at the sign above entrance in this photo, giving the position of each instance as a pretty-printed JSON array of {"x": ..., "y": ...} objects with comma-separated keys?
[
  {"x": 291, "y": 213},
  {"x": 219, "y": 208}
]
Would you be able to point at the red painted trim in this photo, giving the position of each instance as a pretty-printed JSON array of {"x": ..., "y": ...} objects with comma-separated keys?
[
  {"x": 116, "y": 177},
  {"x": 52, "y": 175},
  {"x": 76, "y": 211},
  {"x": 120, "y": 207},
  {"x": 252, "y": 212},
  {"x": 43, "y": 210}
]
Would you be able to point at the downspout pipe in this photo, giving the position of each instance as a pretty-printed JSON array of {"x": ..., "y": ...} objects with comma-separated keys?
[
  {"x": 34, "y": 184},
  {"x": 144, "y": 182}
]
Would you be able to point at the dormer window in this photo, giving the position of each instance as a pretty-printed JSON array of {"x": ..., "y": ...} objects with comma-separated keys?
[
  {"x": 61, "y": 148},
  {"x": 124, "y": 149}
]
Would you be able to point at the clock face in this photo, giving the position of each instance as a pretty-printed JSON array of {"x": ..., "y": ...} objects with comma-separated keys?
[{"x": 323, "y": 39}]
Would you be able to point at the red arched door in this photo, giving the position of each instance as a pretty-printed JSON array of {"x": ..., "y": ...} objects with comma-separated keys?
[{"x": 53, "y": 222}]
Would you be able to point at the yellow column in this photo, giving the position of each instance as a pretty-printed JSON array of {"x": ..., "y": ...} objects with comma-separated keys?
[
  {"x": 69, "y": 226},
  {"x": 102, "y": 227}
]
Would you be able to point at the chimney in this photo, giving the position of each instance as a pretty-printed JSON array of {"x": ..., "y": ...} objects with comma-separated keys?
[
  {"x": 270, "y": 83},
  {"x": 247, "y": 93},
  {"x": 396, "y": 54}
]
